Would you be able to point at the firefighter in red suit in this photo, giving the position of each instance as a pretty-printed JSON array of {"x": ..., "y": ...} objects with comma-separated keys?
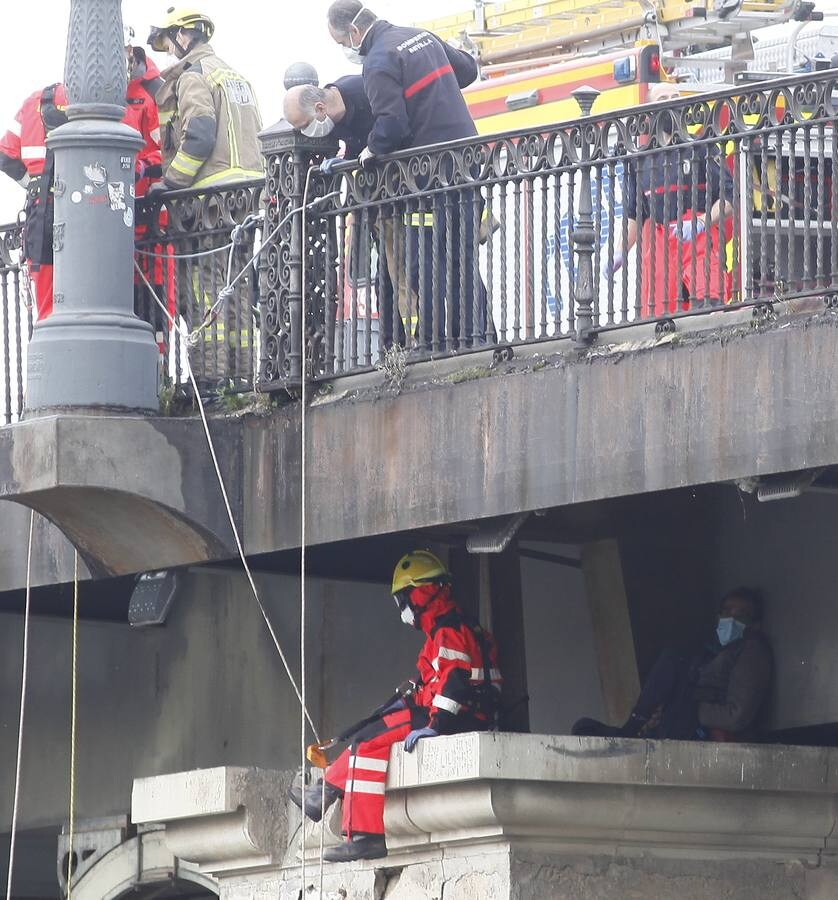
[
  {"x": 678, "y": 202},
  {"x": 25, "y": 158},
  {"x": 142, "y": 114},
  {"x": 458, "y": 690}
]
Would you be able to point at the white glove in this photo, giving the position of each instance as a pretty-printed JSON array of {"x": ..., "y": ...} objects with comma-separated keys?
[{"x": 366, "y": 155}]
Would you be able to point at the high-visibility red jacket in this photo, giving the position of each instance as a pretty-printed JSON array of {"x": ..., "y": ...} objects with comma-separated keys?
[
  {"x": 23, "y": 153},
  {"x": 23, "y": 146},
  {"x": 457, "y": 666},
  {"x": 141, "y": 114}
]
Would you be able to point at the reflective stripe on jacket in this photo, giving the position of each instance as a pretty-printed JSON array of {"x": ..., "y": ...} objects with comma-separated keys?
[
  {"x": 209, "y": 123},
  {"x": 452, "y": 666}
]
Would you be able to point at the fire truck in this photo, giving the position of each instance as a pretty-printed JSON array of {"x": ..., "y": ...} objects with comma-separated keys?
[{"x": 534, "y": 53}]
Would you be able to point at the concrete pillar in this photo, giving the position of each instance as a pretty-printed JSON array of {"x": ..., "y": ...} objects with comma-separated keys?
[
  {"x": 508, "y": 629},
  {"x": 93, "y": 351},
  {"x": 616, "y": 659}
]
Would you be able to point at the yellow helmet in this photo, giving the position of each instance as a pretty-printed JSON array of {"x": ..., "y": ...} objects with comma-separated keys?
[
  {"x": 419, "y": 567},
  {"x": 174, "y": 20}
]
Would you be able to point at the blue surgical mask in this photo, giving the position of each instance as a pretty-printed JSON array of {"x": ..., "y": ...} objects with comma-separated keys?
[{"x": 729, "y": 630}]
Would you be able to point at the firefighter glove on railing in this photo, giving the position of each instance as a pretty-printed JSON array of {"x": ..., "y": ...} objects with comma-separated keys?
[
  {"x": 328, "y": 165},
  {"x": 366, "y": 156},
  {"x": 414, "y": 737}
]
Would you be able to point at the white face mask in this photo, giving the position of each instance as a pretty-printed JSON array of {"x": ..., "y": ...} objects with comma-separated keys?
[
  {"x": 407, "y": 616},
  {"x": 353, "y": 54},
  {"x": 317, "y": 128}
]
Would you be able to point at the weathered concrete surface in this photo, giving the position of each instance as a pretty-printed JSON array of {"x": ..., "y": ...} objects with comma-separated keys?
[
  {"x": 519, "y": 817},
  {"x": 699, "y": 410},
  {"x": 126, "y": 492},
  {"x": 222, "y": 818}
]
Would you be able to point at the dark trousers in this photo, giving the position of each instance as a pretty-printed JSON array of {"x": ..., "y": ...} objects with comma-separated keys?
[
  {"x": 443, "y": 245},
  {"x": 670, "y": 687}
]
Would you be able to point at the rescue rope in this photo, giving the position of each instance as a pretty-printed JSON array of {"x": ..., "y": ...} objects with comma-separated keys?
[
  {"x": 23, "y": 685},
  {"x": 228, "y": 508},
  {"x": 238, "y": 230},
  {"x": 191, "y": 338},
  {"x": 73, "y": 695},
  {"x": 199, "y": 254}
]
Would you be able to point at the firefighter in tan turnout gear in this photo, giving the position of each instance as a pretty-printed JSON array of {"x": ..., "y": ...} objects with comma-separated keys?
[
  {"x": 209, "y": 120},
  {"x": 209, "y": 127}
]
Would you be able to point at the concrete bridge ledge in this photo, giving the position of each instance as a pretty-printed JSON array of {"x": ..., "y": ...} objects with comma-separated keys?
[
  {"x": 523, "y": 816},
  {"x": 131, "y": 494}
]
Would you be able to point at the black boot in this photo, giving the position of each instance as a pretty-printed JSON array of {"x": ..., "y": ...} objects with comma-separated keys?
[
  {"x": 359, "y": 846},
  {"x": 312, "y": 799}
]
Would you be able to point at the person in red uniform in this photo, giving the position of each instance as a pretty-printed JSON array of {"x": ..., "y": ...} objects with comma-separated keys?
[
  {"x": 141, "y": 112},
  {"x": 458, "y": 691},
  {"x": 24, "y": 157},
  {"x": 678, "y": 202}
]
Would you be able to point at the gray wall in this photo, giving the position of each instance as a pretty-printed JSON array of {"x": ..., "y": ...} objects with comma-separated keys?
[
  {"x": 208, "y": 688},
  {"x": 787, "y": 548},
  {"x": 561, "y": 663}
]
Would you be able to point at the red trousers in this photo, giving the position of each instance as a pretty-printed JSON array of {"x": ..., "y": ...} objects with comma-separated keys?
[
  {"x": 361, "y": 771},
  {"x": 663, "y": 291},
  {"x": 41, "y": 278}
]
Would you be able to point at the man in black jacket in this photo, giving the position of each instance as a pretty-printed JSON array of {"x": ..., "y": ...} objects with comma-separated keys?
[
  {"x": 413, "y": 81},
  {"x": 341, "y": 110},
  {"x": 718, "y": 694}
]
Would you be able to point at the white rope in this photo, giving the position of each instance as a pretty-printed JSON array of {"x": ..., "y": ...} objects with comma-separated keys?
[
  {"x": 73, "y": 694},
  {"x": 23, "y": 683},
  {"x": 231, "y": 518}
]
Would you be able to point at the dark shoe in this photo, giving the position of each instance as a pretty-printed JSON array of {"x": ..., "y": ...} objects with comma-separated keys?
[
  {"x": 595, "y": 728},
  {"x": 359, "y": 846},
  {"x": 313, "y": 798}
]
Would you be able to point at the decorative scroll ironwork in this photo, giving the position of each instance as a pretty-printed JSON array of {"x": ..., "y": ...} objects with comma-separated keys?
[
  {"x": 296, "y": 259},
  {"x": 15, "y": 321},
  {"x": 176, "y": 254}
]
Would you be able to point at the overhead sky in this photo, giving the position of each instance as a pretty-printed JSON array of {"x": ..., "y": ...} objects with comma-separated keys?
[{"x": 258, "y": 37}]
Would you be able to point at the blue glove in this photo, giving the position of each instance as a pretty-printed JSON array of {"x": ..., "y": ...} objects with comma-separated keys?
[
  {"x": 328, "y": 165},
  {"x": 614, "y": 265},
  {"x": 684, "y": 231},
  {"x": 413, "y": 738},
  {"x": 395, "y": 706}
]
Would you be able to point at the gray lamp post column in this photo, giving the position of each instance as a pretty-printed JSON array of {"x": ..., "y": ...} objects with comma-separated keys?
[
  {"x": 584, "y": 236},
  {"x": 93, "y": 352}
]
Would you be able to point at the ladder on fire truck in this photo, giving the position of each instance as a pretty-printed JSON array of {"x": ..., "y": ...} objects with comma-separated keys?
[{"x": 532, "y": 30}]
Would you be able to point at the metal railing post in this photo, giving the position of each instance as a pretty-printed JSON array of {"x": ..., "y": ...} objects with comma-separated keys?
[
  {"x": 583, "y": 232},
  {"x": 289, "y": 156}
]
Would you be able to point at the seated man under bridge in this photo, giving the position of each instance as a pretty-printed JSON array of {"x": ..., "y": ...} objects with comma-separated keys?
[{"x": 718, "y": 694}]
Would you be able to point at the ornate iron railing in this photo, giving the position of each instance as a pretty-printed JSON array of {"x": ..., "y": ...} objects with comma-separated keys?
[
  {"x": 15, "y": 322},
  {"x": 516, "y": 238},
  {"x": 557, "y": 233},
  {"x": 190, "y": 244}
]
